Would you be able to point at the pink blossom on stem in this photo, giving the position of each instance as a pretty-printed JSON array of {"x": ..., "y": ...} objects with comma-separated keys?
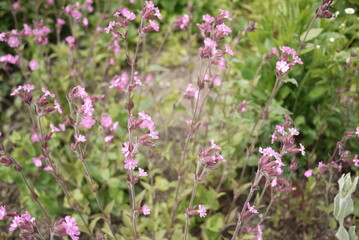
[
  {"x": 80, "y": 138},
  {"x": 142, "y": 172},
  {"x": 130, "y": 163},
  {"x": 281, "y": 130},
  {"x": 228, "y": 50},
  {"x": 47, "y": 92},
  {"x": 302, "y": 149},
  {"x": 48, "y": 169},
  {"x": 214, "y": 146},
  {"x": 293, "y": 131},
  {"x": 2, "y": 212},
  {"x": 308, "y": 173},
  {"x": 182, "y": 22},
  {"x": 145, "y": 210},
  {"x": 54, "y": 128},
  {"x": 282, "y": 66},
  {"x": 16, "y": 5},
  {"x": 34, "y": 65},
  {"x": 58, "y": 107},
  {"x": 38, "y": 161},
  {"x": 202, "y": 210},
  {"x": 252, "y": 209},
  {"x": 356, "y": 160},
  {"x": 71, "y": 227}
]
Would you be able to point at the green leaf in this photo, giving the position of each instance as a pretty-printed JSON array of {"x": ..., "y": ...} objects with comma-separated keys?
[
  {"x": 161, "y": 183},
  {"x": 291, "y": 80},
  {"x": 313, "y": 33},
  {"x": 109, "y": 207}
]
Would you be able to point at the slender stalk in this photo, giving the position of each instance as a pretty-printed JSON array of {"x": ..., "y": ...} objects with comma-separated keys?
[
  {"x": 58, "y": 178},
  {"x": 34, "y": 196}
]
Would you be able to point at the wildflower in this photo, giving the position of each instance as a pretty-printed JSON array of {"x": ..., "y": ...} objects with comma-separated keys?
[
  {"x": 40, "y": 32},
  {"x": 225, "y": 14},
  {"x": 202, "y": 210},
  {"x": 38, "y": 161},
  {"x": 60, "y": 22},
  {"x": 357, "y": 131},
  {"x": 274, "y": 182},
  {"x": 259, "y": 233},
  {"x": 252, "y": 209},
  {"x": 13, "y": 41},
  {"x": 71, "y": 227},
  {"x": 16, "y": 5},
  {"x": 331, "y": 39},
  {"x": 322, "y": 167},
  {"x": 58, "y": 107},
  {"x": 80, "y": 138},
  {"x": 302, "y": 149},
  {"x": 182, "y": 22},
  {"x": 208, "y": 18},
  {"x": 33, "y": 65},
  {"x": 293, "y": 131},
  {"x": 228, "y": 50},
  {"x": 282, "y": 66},
  {"x": 214, "y": 146},
  {"x": 87, "y": 122},
  {"x": 2, "y": 212},
  {"x": 275, "y": 52},
  {"x": 54, "y": 128},
  {"x": 147, "y": 121},
  {"x": 130, "y": 163},
  {"x": 308, "y": 173},
  {"x": 223, "y": 29},
  {"x": 110, "y": 26},
  {"x": 281, "y": 130},
  {"x": 142, "y": 172},
  {"x": 28, "y": 87},
  {"x": 48, "y": 169},
  {"x": 8, "y": 58},
  {"x": 47, "y": 92},
  {"x": 108, "y": 138},
  {"x": 349, "y": 10},
  {"x": 145, "y": 210},
  {"x": 356, "y": 160}
]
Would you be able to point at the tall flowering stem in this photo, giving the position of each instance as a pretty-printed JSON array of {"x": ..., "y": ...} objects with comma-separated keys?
[
  {"x": 11, "y": 161},
  {"x": 129, "y": 150},
  {"x": 43, "y": 141},
  {"x": 77, "y": 147}
]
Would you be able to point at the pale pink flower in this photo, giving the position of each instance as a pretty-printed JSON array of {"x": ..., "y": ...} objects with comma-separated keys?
[
  {"x": 71, "y": 227},
  {"x": 225, "y": 14},
  {"x": 2, "y": 212},
  {"x": 281, "y": 130},
  {"x": 62, "y": 126},
  {"x": 282, "y": 66},
  {"x": 87, "y": 122},
  {"x": 224, "y": 29},
  {"x": 54, "y": 128},
  {"x": 252, "y": 209},
  {"x": 302, "y": 149},
  {"x": 217, "y": 81},
  {"x": 142, "y": 173},
  {"x": 357, "y": 131},
  {"x": 154, "y": 25},
  {"x": 274, "y": 182},
  {"x": 182, "y": 22},
  {"x": 275, "y": 52},
  {"x": 293, "y": 131},
  {"x": 153, "y": 134},
  {"x": 208, "y": 18},
  {"x": 202, "y": 210},
  {"x": 259, "y": 233},
  {"x": 130, "y": 163},
  {"x": 48, "y": 169},
  {"x": 220, "y": 157},
  {"x": 214, "y": 146},
  {"x": 60, "y": 22},
  {"x": 108, "y": 138},
  {"x": 356, "y": 160},
  {"x": 106, "y": 121},
  {"x": 297, "y": 60},
  {"x": 191, "y": 92},
  {"x": 16, "y": 221},
  {"x": 33, "y": 65},
  {"x": 16, "y": 5},
  {"x": 308, "y": 173},
  {"x": 145, "y": 210},
  {"x": 228, "y": 50},
  {"x": 80, "y": 138},
  {"x": 16, "y": 91},
  {"x": 128, "y": 14},
  {"x": 28, "y": 87},
  {"x": 47, "y": 92},
  {"x": 58, "y": 107},
  {"x": 37, "y": 161},
  {"x": 13, "y": 41}
]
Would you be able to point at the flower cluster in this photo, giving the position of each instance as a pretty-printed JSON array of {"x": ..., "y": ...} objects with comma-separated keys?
[
  {"x": 182, "y": 22},
  {"x": 130, "y": 149},
  {"x": 85, "y": 111},
  {"x": 323, "y": 10},
  {"x": 202, "y": 211},
  {"x": 210, "y": 161},
  {"x": 67, "y": 227},
  {"x": 288, "y": 58},
  {"x": 288, "y": 146},
  {"x": 120, "y": 82},
  {"x": 108, "y": 127},
  {"x": 75, "y": 11}
]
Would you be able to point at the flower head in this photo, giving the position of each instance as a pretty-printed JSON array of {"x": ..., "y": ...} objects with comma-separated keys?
[
  {"x": 145, "y": 210},
  {"x": 2, "y": 212},
  {"x": 202, "y": 210},
  {"x": 252, "y": 209},
  {"x": 308, "y": 173},
  {"x": 71, "y": 227}
]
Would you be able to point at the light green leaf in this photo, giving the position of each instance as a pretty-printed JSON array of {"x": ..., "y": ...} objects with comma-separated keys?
[{"x": 313, "y": 33}]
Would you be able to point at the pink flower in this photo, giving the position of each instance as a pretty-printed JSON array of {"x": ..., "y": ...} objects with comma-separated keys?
[
  {"x": 71, "y": 228},
  {"x": 214, "y": 146},
  {"x": 130, "y": 163},
  {"x": 58, "y": 107},
  {"x": 260, "y": 233},
  {"x": 228, "y": 50},
  {"x": 182, "y": 22},
  {"x": 220, "y": 157},
  {"x": 281, "y": 130},
  {"x": 308, "y": 173},
  {"x": 154, "y": 25},
  {"x": 275, "y": 52},
  {"x": 145, "y": 210},
  {"x": 48, "y": 169},
  {"x": 302, "y": 149},
  {"x": 128, "y": 14},
  {"x": 208, "y": 18},
  {"x": 108, "y": 138},
  {"x": 106, "y": 122},
  {"x": 87, "y": 122},
  {"x": 147, "y": 123},
  {"x": 28, "y": 87},
  {"x": 38, "y": 161},
  {"x": 191, "y": 92},
  {"x": 274, "y": 182},
  {"x": 80, "y": 138},
  {"x": 154, "y": 134},
  {"x": 142, "y": 173},
  {"x": 16, "y": 91},
  {"x": 202, "y": 210},
  {"x": 252, "y": 209},
  {"x": 110, "y": 26},
  {"x": 224, "y": 29},
  {"x": 297, "y": 60},
  {"x": 225, "y": 14},
  {"x": 8, "y": 58},
  {"x": 47, "y": 92},
  {"x": 16, "y": 5},
  {"x": 54, "y": 128},
  {"x": 357, "y": 131},
  {"x": 282, "y": 66},
  {"x": 293, "y": 131},
  {"x": 13, "y": 41},
  {"x": 2, "y": 212},
  {"x": 16, "y": 221},
  {"x": 33, "y": 65},
  {"x": 60, "y": 22},
  {"x": 356, "y": 160}
]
